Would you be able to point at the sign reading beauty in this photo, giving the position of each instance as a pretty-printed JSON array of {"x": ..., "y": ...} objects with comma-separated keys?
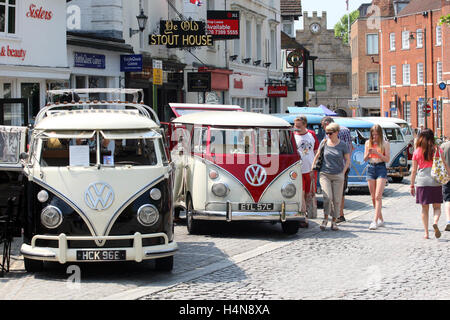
[
  {"x": 11, "y": 52},
  {"x": 223, "y": 25},
  {"x": 178, "y": 34},
  {"x": 277, "y": 91}
]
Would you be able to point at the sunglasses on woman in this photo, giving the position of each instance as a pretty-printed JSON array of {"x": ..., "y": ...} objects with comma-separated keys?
[{"x": 330, "y": 132}]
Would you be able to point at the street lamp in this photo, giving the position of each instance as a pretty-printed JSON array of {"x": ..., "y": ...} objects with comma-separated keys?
[
  {"x": 142, "y": 22},
  {"x": 411, "y": 37}
]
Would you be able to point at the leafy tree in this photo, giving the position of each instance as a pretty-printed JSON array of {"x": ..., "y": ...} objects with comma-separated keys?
[
  {"x": 341, "y": 28},
  {"x": 445, "y": 20}
]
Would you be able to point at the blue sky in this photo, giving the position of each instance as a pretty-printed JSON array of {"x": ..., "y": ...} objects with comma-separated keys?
[{"x": 335, "y": 9}]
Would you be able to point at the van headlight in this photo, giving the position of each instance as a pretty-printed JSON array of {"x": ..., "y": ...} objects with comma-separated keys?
[
  {"x": 402, "y": 161},
  {"x": 220, "y": 189},
  {"x": 147, "y": 215},
  {"x": 155, "y": 194},
  {"x": 42, "y": 196},
  {"x": 51, "y": 217},
  {"x": 288, "y": 190}
]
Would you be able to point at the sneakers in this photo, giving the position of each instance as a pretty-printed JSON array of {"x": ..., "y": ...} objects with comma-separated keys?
[
  {"x": 373, "y": 226},
  {"x": 340, "y": 219},
  {"x": 380, "y": 224}
]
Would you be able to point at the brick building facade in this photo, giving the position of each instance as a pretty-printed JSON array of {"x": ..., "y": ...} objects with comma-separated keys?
[
  {"x": 365, "y": 65},
  {"x": 407, "y": 77}
]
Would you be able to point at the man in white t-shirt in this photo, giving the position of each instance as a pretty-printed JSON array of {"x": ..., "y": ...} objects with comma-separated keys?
[{"x": 307, "y": 144}]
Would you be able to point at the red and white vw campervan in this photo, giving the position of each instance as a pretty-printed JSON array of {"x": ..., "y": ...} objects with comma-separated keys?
[{"x": 235, "y": 166}]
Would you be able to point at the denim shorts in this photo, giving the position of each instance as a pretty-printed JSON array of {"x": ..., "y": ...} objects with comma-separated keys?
[{"x": 376, "y": 170}]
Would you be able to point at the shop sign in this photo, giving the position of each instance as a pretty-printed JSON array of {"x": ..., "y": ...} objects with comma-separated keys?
[
  {"x": 199, "y": 81},
  {"x": 180, "y": 34},
  {"x": 88, "y": 60},
  {"x": 41, "y": 14},
  {"x": 238, "y": 84},
  {"x": 131, "y": 63},
  {"x": 277, "y": 91},
  {"x": 223, "y": 25},
  {"x": 10, "y": 52},
  {"x": 320, "y": 82}
]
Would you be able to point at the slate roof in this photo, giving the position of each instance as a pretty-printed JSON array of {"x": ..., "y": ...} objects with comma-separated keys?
[
  {"x": 291, "y": 7},
  {"x": 419, "y": 6}
]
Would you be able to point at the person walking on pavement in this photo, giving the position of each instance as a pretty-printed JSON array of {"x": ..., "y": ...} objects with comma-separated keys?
[
  {"x": 377, "y": 153},
  {"x": 426, "y": 190},
  {"x": 307, "y": 145},
  {"x": 345, "y": 136},
  {"x": 446, "y": 188},
  {"x": 335, "y": 152}
]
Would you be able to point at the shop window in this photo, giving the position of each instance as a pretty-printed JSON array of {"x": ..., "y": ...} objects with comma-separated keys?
[
  {"x": 31, "y": 92},
  {"x": 8, "y": 16},
  {"x": 5, "y": 92},
  {"x": 97, "y": 82}
]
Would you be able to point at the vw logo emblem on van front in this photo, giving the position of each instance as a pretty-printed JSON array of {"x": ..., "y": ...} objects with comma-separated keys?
[
  {"x": 256, "y": 175},
  {"x": 99, "y": 196}
]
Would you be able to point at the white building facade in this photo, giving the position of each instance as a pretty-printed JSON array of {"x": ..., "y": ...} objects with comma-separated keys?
[{"x": 33, "y": 51}]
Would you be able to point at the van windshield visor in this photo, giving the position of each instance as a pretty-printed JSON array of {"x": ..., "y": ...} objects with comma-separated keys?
[
  {"x": 69, "y": 134},
  {"x": 129, "y": 134}
]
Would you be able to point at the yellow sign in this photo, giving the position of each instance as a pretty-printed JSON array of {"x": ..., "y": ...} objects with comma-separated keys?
[{"x": 157, "y": 77}]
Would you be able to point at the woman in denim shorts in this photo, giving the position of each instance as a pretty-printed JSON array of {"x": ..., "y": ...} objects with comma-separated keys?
[{"x": 377, "y": 153}]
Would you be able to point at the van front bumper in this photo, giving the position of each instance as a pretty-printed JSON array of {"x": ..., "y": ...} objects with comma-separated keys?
[
  {"x": 230, "y": 213},
  {"x": 63, "y": 254}
]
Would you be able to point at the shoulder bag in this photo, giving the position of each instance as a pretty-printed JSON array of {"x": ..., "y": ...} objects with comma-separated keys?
[
  {"x": 319, "y": 162},
  {"x": 438, "y": 171}
]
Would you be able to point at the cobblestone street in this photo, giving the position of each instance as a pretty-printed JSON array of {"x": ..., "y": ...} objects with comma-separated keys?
[{"x": 257, "y": 261}]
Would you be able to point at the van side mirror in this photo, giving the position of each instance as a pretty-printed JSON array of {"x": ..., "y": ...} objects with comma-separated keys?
[{"x": 23, "y": 156}]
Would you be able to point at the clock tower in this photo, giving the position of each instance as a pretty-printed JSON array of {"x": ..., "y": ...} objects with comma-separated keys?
[{"x": 315, "y": 24}]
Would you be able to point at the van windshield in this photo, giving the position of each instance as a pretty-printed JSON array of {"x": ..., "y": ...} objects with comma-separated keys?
[
  {"x": 60, "y": 150},
  {"x": 249, "y": 141},
  {"x": 393, "y": 135},
  {"x": 406, "y": 129}
]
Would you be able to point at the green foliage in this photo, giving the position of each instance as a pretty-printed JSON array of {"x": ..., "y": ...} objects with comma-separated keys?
[
  {"x": 445, "y": 20},
  {"x": 341, "y": 28}
]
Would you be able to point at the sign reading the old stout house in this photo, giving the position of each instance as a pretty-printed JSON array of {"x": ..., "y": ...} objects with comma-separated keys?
[{"x": 179, "y": 34}]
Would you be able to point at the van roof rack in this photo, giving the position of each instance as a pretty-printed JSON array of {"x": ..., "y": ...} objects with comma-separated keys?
[{"x": 142, "y": 109}]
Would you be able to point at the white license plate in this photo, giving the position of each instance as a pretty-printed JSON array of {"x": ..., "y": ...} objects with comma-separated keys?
[
  {"x": 256, "y": 206},
  {"x": 101, "y": 255}
]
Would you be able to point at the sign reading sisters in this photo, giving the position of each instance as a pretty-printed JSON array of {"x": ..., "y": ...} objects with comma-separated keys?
[{"x": 179, "y": 34}]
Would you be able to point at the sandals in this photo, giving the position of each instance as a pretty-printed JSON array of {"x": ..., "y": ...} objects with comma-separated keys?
[
  {"x": 324, "y": 224},
  {"x": 437, "y": 233},
  {"x": 334, "y": 226}
]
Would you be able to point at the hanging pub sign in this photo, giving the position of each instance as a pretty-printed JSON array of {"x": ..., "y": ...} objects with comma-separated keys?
[
  {"x": 277, "y": 91},
  {"x": 223, "y": 25},
  {"x": 180, "y": 34},
  {"x": 199, "y": 81}
]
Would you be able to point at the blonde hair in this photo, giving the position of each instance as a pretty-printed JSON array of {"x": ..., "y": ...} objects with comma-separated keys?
[
  {"x": 377, "y": 128},
  {"x": 333, "y": 126}
]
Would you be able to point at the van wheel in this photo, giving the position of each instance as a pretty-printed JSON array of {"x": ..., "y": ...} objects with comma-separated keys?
[
  {"x": 290, "y": 227},
  {"x": 193, "y": 226},
  {"x": 164, "y": 264},
  {"x": 33, "y": 265}
]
